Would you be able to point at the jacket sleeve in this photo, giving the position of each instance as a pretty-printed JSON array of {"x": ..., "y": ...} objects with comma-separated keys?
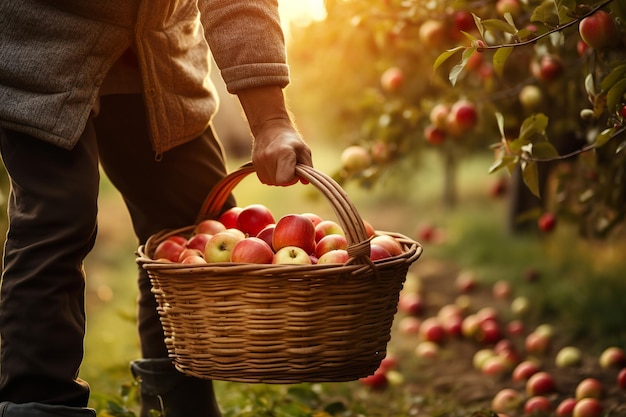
[{"x": 247, "y": 42}]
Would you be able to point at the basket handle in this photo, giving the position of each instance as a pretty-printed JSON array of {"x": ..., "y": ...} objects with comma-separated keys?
[{"x": 344, "y": 209}]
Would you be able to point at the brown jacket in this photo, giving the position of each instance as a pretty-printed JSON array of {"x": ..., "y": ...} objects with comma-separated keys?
[{"x": 55, "y": 55}]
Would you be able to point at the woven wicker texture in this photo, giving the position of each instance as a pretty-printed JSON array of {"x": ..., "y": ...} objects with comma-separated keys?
[{"x": 280, "y": 323}]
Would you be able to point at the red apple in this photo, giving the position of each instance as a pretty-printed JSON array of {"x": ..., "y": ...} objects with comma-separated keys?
[
  {"x": 194, "y": 259},
  {"x": 168, "y": 249},
  {"x": 181, "y": 240},
  {"x": 566, "y": 407},
  {"x": 252, "y": 250},
  {"x": 377, "y": 381},
  {"x": 599, "y": 30},
  {"x": 378, "y": 253},
  {"x": 187, "y": 252},
  {"x": 462, "y": 118},
  {"x": 546, "y": 222},
  {"x": 411, "y": 303},
  {"x": 220, "y": 246},
  {"x": 438, "y": 115},
  {"x": 488, "y": 332},
  {"x": 409, "y": 325},
  {"x": 388, "y": 242},
  {"x": 487, "y": 313},
  {"x": 540, "y": 383},
  {"x": 433, "y": 32},
  {"x": 355, "y": 158},
  {"x": 453, "y": 325},
  {"x": 501, "y": 289},
  {"x": 335, "y": 256},
  {"x": 587, "y": 407},
  {"x": 470, "y": 326},
  {"x": 229, "y": 217},
  {"x": 434, "y": 135},
  {"x": 327, "y": 227},
  {"x": 291, "y": 255},
  {"x": 236, "y": 232},
  {"x": 515, "y": 328},
  {"x": 505, "y": 400},
  {"x": 537, "y": 405},
  {"x": 267, "y": 234},
  {"x": 466, "y": 282},
  {"x": 621, "y": 378},
  {"x": 392, "y": 79},
  {"x": 589, "y": 388},
  {"x": 427, "y": 349},
  {"x": 499, "y": 187},
  {"x": 209, "y": 226},
  {"x": 612, "y": 357},
  {"x": 480, "y": 357},
  {"x": 524, "y": 370},
  {"x": 389, "y": 362},
  {"x": 431, "y": 329},
  {"x": 495, "y": 366},
  {"x": 330, "y": 242},
  {"x": 508, "y": 6},
  {"x": 547, "y": 68},
  {"x": 315, "y": 218},
  {"x": 253, "y": 218},
  {"x": 536, "y": 343},
  {"x": 464, "y": 21},
  {"x": 294, "y": 230},
  {"x": 198, "y": 241},
  {"x": 369, "y": 229}
]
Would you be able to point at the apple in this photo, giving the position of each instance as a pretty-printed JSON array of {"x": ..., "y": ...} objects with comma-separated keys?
[
  {"x": 335, "y": 256},
  {"x": 536, "y": 343},
  {"x": 427, "y": 349},
  {"x": 547, "y": 68},
  {"x": 253, "y": 218},
  {"x": 515, "y": 328},
  {"x": 194, "y": 260},
  {"x": 453, "y": 325},
  {"x": 470, "y": 326},
  {"x": 524, "y": 370},
  {"x": 378, "y": 253},
  {"x": 488, "y": 332},
  {"x": 220, "y": 246},
  {"x": 568, "y": 356},
  {"x": 508, "y": 6},
  {"x": 382, "y": 152},
  {"x": 294, "y": 230},
  {"x": 487, "y": 313},
  {"x": 495, "y": 366},
  {"x": 229, "y": 217},
  {"x": 267, "y": 233},
  {"x": 376, "y": 381},
  {"x": 388, "y": 242},
  {"x": 438, "y": 116},
  {"x": 330, "y": 242},
  {"x": 463, "y": 21},
  {"x": 389, "y": 362},
  {"x": 589, "y": 388},
  {"x": 621, "y": 378},
  {"x": 187, "y": 252},
  {"x": 411, "y": 303},
  {"x": 587, "y": 407},
  {"x": 598, "y": 30},
  {"x": 181, "y": 240},
  {"x": 540, "y": 383},
  {"x": 537, "y": 405},
  {"x": 612, "y": 357},
  {"x": 520, "y": 306},
  {"x": 392, "y": 79},
  {"x": 169, "y": 249},
  {"x": 315, "y": 218},
  {"x": 236, "y": 232},
  {"x": 466, "y": 282},
  {"x": 434, "y": 135},
  {"x": 545, "y": 329},
  {"x": 409, "y": 325},
  {"x": 426, "y": 232},
  {"x": 499, "y": 187},
  {"x": 501, "y": 289},
  {"x": 369, "y": 229},
  {"x": 431, "y": 329},
  {"x": 252, "y": 250},
  {"x": 480, "y": 357},
  {"x": 327, "y": 227},
  {"x": 507, "y": 399},
  {"x": 566, "y": 407},
  {"x": 433, "y": 32},
  {"x": 462, "y": 118},
  {"x": 198, "y": 241},
  {"x": 355, "y": 158},
  {"x": 291, "y": 255},
  {"x": 531, "y": 97},
  {"x": 546, "y": 222},
  {"x": 209, "y": 226}
]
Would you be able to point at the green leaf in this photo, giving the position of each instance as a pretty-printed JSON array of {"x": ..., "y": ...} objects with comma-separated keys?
[
  {"x": 499, "y": 59},
  {"x": 500, "y": 121},
  {"x": 504, "y": 161},
  {"x": 498, "y": 25},
  {"x": 621, "y": 147},
  {"x": 546, "y": 13},
  {"x": 615, "y": 94},
  {"x": 604, "y": 137},
  {"x": 532, "y": 127},
  {"x": 590, "y": 86},
  {"x": 530, "y": 175},
  {"x": 544, "y": 150},
  {"x": 613, "y": 77},
  {"x": 479, "y": 25},
  {"x": 446, "y": 55},
  {"x": 456, "y": 71}
]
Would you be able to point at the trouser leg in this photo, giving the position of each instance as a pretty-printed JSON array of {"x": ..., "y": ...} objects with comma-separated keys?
[
  {"x": 52, "y": 227},
  {"x": 160, "y": 194}
]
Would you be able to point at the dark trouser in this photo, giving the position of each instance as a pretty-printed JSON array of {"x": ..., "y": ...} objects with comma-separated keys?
[{"x": 52, "y": 227}]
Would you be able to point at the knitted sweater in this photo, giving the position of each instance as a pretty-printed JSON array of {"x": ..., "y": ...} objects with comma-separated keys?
[{"x": 56, "y": 54}]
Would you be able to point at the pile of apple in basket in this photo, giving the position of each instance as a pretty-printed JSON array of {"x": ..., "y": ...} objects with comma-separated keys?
[{"x": 251, "y": 234}]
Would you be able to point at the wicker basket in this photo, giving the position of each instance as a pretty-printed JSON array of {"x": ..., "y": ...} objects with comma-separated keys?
[{"x": 280, "y": 323}]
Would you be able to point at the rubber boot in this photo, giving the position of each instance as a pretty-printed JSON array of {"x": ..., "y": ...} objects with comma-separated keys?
[
  {"x": 171, "y": 393},
  {"x": 9, "y": 409}
]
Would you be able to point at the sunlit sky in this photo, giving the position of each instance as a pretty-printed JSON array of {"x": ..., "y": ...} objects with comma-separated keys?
[{"x": 301, "y": 12}]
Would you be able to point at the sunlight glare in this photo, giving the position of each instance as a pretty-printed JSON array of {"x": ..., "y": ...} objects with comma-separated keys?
[{"x": 301, "y": 12}]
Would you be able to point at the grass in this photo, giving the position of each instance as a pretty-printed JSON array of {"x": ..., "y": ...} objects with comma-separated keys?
[{"x": 581, "y": 283}]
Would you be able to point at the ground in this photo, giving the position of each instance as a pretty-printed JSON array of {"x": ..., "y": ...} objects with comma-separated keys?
[{"x": 452, "y": 374}]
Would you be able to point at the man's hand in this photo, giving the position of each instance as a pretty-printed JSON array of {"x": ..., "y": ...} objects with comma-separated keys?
[{"x": 278, "y": 146}]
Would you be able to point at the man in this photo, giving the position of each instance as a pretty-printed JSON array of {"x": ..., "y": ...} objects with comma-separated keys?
[{"x": 121, "y": 84}]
